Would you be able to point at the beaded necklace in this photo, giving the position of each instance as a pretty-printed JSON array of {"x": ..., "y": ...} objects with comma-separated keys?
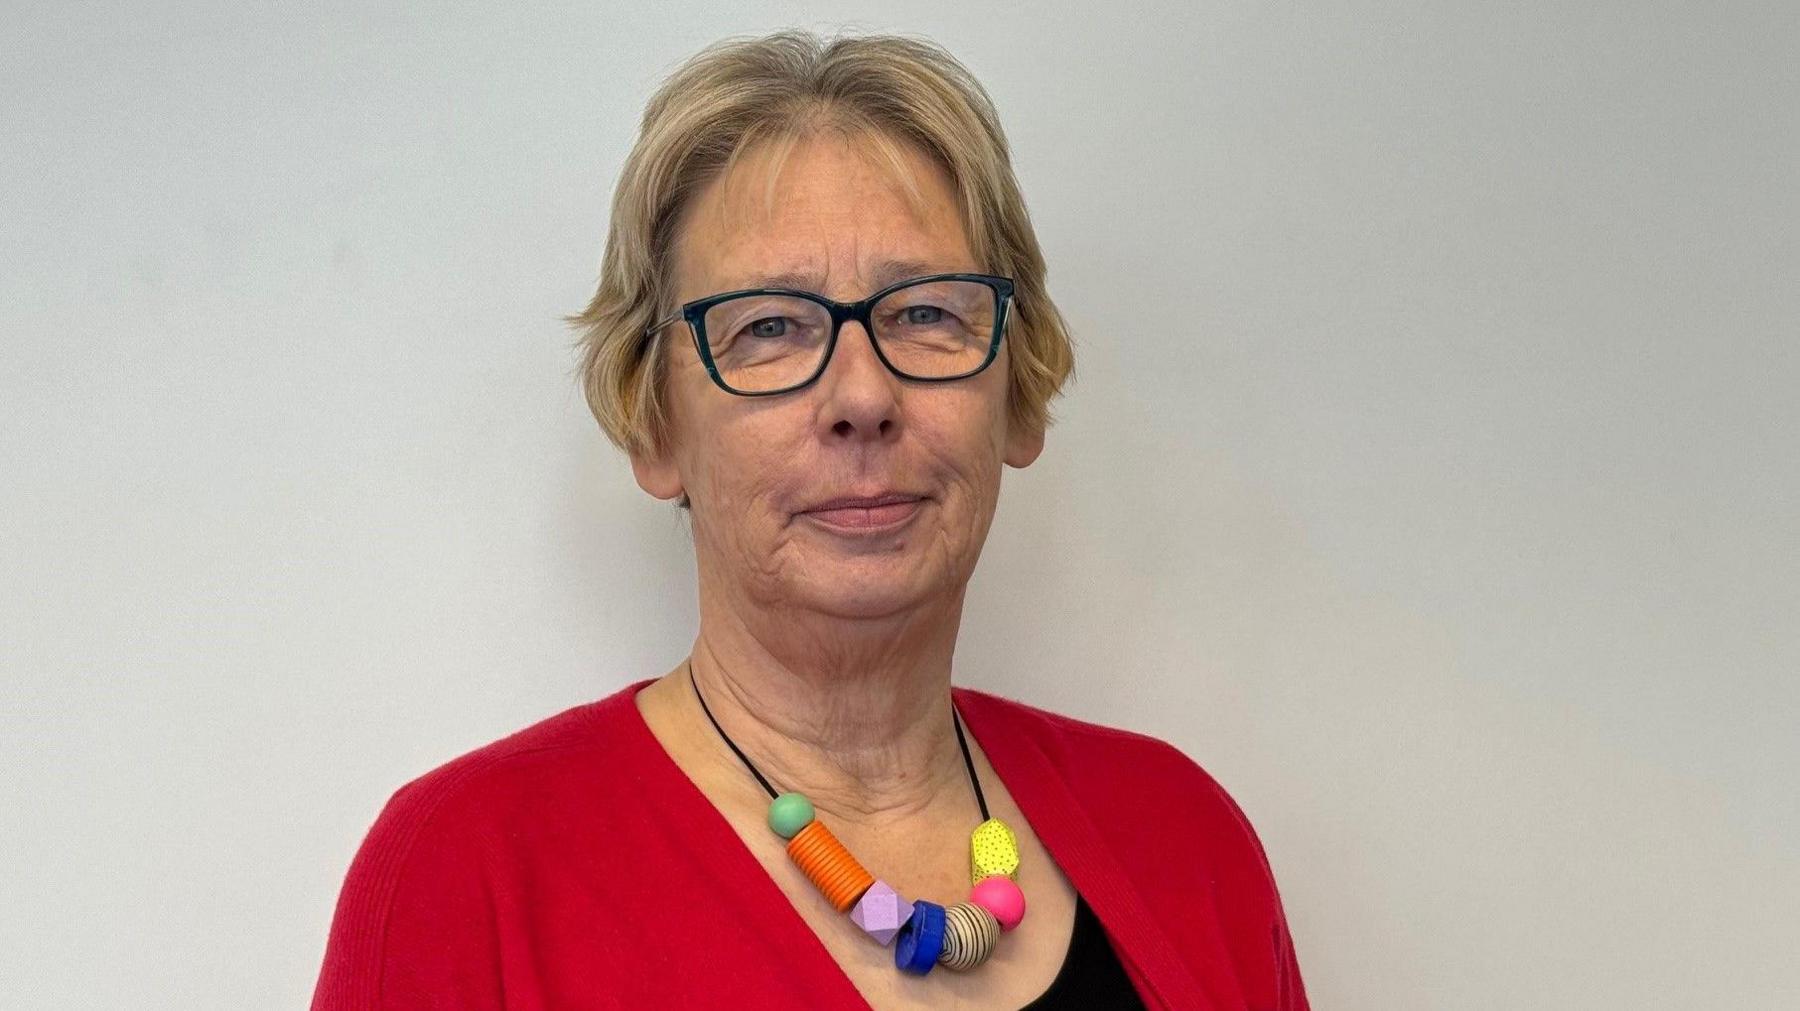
[{"x": 924, "y": 934}]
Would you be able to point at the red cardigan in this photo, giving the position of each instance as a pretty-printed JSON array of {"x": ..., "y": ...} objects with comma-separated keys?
[{"x": 538, "y": 873}]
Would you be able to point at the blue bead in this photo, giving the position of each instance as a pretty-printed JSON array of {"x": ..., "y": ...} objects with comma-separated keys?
[{"x": 921, "y": 938}]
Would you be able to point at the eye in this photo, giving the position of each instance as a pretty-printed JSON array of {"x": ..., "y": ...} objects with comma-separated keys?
[
  {"x": 922, "y": 315},
  {"x": 769, "y": 326}
]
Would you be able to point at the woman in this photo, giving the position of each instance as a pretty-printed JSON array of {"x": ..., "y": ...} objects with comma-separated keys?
[{"x": 822, "y": 328}]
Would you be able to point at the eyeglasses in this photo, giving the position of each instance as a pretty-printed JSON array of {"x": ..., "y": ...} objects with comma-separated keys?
[{"x": 763, "y": 341}]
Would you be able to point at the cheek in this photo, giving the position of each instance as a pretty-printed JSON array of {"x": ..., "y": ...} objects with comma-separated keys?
[
  {"x": 969, "y": 440},
  {"x": 747, "y": 462},
  {"x": 991, "y": 416}
]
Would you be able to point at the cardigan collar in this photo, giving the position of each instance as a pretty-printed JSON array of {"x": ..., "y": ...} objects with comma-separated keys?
[
  {"x": 1150, "y": 959},
  {"x": 1069, "y": 834}
]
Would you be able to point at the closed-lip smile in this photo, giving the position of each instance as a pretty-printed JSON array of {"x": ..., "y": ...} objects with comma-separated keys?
[{"x": 866, "y": 512}]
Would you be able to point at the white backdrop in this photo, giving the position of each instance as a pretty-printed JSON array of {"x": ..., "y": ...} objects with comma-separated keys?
[{"x": 1430, "y": 476}]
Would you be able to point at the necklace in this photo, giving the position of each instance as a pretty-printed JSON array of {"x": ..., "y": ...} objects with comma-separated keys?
[{"x": 924, "y": 934}]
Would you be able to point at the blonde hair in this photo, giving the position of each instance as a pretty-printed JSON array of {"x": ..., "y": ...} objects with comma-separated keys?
[{"x": 739, "y": 93}]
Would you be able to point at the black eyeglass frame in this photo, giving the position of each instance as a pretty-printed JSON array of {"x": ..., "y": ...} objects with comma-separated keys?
[{"x": 841, "y": 312}]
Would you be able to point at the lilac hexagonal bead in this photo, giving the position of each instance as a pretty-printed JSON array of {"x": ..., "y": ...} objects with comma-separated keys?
[{"x": 881, "y": 912}]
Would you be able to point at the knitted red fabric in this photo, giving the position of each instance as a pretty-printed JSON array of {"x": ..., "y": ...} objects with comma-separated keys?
[{"x": 518, "y": 877}]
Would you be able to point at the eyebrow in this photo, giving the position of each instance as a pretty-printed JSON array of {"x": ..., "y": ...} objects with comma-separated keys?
[{"x": 886, "y": 273}]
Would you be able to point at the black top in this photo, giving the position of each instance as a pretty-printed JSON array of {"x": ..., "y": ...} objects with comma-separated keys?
[{"x": 1091, "y": 975}]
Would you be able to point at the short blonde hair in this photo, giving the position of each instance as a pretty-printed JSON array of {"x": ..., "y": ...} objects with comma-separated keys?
[{"x": 741, "y": 92}]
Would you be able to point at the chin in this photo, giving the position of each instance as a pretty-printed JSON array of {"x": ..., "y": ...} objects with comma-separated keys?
[{"x": 846, "y": 593}]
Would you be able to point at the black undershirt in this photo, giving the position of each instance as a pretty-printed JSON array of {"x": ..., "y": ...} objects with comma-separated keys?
[{"x": 1091, "y": 974}]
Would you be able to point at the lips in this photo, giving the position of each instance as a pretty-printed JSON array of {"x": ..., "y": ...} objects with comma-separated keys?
[{"x": 865, "y": 512}]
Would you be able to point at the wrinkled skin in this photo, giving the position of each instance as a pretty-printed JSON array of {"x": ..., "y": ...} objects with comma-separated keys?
[{"x": 840, "y": 221}]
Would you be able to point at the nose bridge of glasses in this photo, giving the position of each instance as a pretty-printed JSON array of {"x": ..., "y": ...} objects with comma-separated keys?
[{"x": 861, "y": 313}]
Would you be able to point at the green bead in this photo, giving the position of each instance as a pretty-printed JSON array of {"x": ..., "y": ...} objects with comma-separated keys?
[{"x": 789, "y": 814}]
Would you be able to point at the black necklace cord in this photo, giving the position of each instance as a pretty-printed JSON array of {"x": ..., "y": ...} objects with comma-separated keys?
[
  {"x": 975, "y": 781},
  {"x": 955, "y": 720},
  {"x": 721, "y": 730}
]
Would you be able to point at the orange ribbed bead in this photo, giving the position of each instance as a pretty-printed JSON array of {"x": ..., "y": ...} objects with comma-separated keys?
[{"x": 829, "y": 865}]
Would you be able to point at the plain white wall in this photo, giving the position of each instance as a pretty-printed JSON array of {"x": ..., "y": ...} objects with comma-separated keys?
[{"x": 1430, "y": 476}]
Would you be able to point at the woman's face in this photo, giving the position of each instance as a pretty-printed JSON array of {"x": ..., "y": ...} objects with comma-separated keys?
[{"x": 757, "y": 470}]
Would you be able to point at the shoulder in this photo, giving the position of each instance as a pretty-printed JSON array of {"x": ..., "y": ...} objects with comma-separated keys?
[
  {"x": 1077, "y": 745},
  {"x": 1056, "y": 728},
  {"x": 577, "y": 756},
  {"x": 1175, "y": 832},
  {"x": 554, "y": 753},
  {"x": 1111, "y": 771},
  {"x": 421, "y": 887}
]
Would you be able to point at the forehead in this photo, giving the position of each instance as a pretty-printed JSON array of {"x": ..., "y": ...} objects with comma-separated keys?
[{"x": 835, "y": 213}]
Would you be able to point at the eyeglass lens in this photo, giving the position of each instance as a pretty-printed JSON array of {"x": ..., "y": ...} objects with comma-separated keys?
[{"x": 932, "y": 330}]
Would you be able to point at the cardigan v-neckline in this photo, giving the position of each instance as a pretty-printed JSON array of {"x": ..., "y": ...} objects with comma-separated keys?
[{"x": 1066, "y": 832}]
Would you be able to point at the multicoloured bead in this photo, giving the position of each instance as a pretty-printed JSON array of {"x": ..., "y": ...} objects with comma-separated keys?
[
  {"x": 970, "y": 933},
  {"x": 993, "y": 850}
]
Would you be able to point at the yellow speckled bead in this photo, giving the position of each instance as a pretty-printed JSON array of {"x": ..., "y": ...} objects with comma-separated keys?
[{"x": 993, "y": 850}]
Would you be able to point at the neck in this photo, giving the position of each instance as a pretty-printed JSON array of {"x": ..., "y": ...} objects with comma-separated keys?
[{"x": 853, "y": 713}]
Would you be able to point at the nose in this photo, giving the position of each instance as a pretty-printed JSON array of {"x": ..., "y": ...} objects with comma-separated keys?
[{"x": 860, "y": 399}]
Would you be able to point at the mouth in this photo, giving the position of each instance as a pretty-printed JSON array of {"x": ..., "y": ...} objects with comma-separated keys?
[{"x": 867, "y": 514}]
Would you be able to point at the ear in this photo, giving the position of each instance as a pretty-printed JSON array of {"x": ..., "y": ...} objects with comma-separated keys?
[
  {"x": 657, "y": 474},
  {"x": 1023, "y": 443}
]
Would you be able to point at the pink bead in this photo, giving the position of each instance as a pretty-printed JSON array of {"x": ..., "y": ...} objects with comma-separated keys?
[{"x": 1000, "y": 895}]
